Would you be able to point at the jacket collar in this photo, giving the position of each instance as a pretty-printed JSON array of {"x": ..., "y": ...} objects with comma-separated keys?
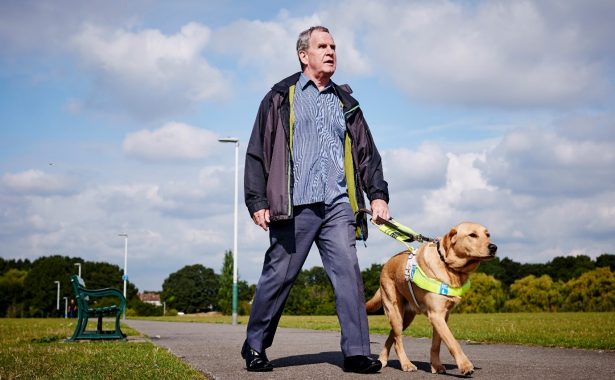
[{"x": 343, "y": 91}]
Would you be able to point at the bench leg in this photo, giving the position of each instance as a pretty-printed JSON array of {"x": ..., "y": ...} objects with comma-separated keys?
[
  {"x": 118, "y": 330},
  {"x": 99, "y": 326},
  {"x": 78, "y": 328}
]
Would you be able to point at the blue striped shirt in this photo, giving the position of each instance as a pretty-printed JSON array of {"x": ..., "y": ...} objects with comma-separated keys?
[{"x": 318, "y": 145}]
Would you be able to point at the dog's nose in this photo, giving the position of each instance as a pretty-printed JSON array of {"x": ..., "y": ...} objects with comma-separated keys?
[{"x": 492, "y": 249}]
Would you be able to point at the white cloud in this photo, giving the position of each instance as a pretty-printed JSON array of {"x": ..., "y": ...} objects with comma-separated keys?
[
  {"x": 446, "y": 205},
  {"x": 37, "y": 182},
  {"x": 493, "y": 53},
  {"x": 27, "y": 26},
  {"x": 172, "y": 142},
  {"x": 270, "y": 46},
  {"x": 423, "y": 168},
  {"x": 148, "y": 73},
  {"x": 554, "y": 161}
]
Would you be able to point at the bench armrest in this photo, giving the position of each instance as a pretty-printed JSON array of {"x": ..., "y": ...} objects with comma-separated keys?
[{"x": 106, "y": 292}]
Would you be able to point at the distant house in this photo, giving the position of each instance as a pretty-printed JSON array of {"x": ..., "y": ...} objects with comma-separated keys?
[{"x": 150, "y": 297}]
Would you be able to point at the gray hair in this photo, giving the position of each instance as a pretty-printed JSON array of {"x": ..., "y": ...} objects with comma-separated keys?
[{"x": 303, "y": 42}]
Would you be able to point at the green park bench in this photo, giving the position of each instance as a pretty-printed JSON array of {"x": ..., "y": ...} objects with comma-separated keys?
[{"x": 85, "y": 311}]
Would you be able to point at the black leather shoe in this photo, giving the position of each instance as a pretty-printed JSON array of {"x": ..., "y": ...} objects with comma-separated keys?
[
  {"x": 361, "y": 364},
  {"x": 255, "y": 361}
]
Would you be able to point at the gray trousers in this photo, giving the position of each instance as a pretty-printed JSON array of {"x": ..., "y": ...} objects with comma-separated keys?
[{"x": 332, "y": 227}]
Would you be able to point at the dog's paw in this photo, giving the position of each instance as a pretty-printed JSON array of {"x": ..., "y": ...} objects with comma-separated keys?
[
  {"x": 438, "y": 369},
  {"x": 409, "y": 367},
  {"x": 467, "y": 369}
]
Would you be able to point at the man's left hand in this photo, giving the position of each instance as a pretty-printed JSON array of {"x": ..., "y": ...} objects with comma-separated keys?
[{"x": 380, "y": 209}]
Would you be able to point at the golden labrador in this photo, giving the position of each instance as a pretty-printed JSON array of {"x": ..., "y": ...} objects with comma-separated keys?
[{"x": 450, "y": 262}]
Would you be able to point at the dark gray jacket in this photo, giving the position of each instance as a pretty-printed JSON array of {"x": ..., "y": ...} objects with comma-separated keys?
[{"x": 268, "y": 177}]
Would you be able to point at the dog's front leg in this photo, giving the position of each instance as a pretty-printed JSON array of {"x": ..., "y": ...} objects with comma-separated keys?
[
  {"x": 436, "y": 364},
  {"x": 438, "y": 321}
]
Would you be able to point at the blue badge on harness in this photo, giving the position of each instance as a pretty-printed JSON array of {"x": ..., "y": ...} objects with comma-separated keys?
[
  {"x": 412, "y": 270},
  {"x": 443, "y": 289}
]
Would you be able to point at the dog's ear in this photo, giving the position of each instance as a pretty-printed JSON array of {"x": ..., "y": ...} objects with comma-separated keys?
[{"x": 449, "y": 239}]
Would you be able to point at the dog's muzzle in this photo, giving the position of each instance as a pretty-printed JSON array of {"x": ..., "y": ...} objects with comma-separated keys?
[{"x": 492, "y": 249}]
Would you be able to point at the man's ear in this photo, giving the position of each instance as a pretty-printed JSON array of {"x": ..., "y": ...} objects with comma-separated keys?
[
  {"x": 449, "y": 239},
  {"x": 303, "y": 57}
]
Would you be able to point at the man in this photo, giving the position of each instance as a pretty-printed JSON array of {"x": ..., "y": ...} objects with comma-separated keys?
[{"x": 309, "y": 160}]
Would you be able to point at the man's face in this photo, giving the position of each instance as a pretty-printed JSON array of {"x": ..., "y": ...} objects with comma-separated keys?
[{"x": 320, "y": 56}]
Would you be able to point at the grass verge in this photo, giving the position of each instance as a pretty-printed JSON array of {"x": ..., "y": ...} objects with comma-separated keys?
[
  {"x": 35, "y": 349},
  {"x": 572, "y": 330}
]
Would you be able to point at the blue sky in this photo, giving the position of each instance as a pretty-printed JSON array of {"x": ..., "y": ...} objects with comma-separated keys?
[{"x": 496, "y": 112}]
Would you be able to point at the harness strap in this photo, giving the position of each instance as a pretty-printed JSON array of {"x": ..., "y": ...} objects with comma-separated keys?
[
  {"x": 409, "y": 274},
  {"x": 414, "y": 273}
]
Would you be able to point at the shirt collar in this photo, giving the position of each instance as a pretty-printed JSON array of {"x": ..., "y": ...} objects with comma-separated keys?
[{"x": 304, "y": 81}]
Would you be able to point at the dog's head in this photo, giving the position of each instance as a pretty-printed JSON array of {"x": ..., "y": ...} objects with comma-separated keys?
[{"x": 466, "y": 245}]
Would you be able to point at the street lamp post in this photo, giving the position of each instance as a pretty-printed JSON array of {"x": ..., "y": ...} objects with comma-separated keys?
[
  {"x": 125, "y": 276},
  {"x": 79, "y": 265},
  {"x": 236, "y": 141},
  {"x": 65, "y": 307},
  {"x": 58, "y": 297}
]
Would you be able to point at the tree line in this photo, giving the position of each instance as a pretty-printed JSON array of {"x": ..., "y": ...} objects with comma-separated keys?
[
  {"x": 28, "y": 289},
  {"x": 570, "y": 283},
  {"x": 578, "y": 283}
]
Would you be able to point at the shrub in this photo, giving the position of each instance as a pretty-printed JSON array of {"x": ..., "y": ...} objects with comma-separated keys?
[
  {"x": 485, "y": 296},
  {"x": 532, "y": 293},
  {"x": 592, "y": 291}
]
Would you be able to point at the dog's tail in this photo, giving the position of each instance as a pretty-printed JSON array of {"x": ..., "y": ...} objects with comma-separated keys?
[{"x": 375, "y": 303}]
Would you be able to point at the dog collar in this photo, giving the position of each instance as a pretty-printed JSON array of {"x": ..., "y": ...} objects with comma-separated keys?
[
  {"x": 440, "y": 252},
  {"x": 415, "y": 274}
]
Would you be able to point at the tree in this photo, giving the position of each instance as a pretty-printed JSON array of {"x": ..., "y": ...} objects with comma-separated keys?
[
  {"x": 225, "y": 293},
  {"x": 41, "y": 291},
  {"x": 606, "y": 260},
  {"x": 508, "y": 271},
  {"x": 569, "y": 267},
  {"x": 371, "y": 280},
  {"x": 532, "y": 293},
  {"x": 12, "y": 293},
  {"x": 192, "y": 289},
  {"x": 20, "y": 264},
  {"x": 98, "y": 275},
  {"x": 246, "y": 293},
  {"x": 486, "y": 295},
  {"x": 493, "y": 268},
  {"x": 592, "y": 291},
  {"x": 312, "y": 294}
]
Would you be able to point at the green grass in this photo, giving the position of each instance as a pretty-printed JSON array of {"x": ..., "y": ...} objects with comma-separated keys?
[
  {"x": 572, "y": 330},
  {"x": 35, "y": 349}
]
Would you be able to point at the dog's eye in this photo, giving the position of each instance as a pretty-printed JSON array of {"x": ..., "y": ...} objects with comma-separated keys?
[{"x": 473, "y": 235}]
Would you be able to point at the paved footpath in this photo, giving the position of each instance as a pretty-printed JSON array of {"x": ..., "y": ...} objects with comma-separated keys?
[{"x": 214, "y": 349}]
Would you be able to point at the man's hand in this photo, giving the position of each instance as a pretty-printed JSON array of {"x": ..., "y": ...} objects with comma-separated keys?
[
  {"x": 261, "y": 218},
  {"x": 380, "y": 209}
]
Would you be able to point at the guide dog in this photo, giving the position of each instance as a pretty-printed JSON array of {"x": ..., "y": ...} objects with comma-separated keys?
[{"x": 449, "y": 260}]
